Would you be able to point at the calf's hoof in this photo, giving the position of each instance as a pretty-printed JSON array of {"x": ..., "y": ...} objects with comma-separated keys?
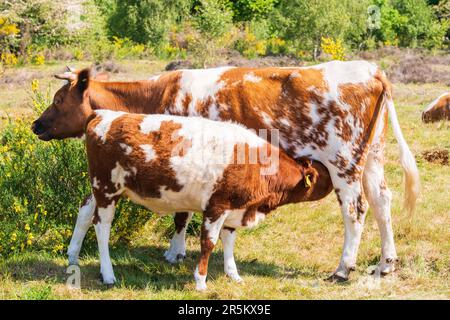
[
  {"x": 200, "y": 281},
  {"x": 73, "y": 262},
  {"x": 107, "y": 281}
]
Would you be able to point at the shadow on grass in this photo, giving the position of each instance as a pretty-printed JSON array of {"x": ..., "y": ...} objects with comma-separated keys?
[{"x": 136, "y": 268}]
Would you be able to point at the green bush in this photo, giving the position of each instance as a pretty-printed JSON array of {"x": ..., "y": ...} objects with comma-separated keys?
[
  {"x": 304, "y": 22},
  {"x": 213, "y": 23},
  {"x": 145, "y": 21},
  {"x": 248, "y": 10},
  {"x": 92, "y": 40},
  {"x": 213, "y": 18},
  {"x": 410, "y": 23},
  {"x": 442, "y": 10}
]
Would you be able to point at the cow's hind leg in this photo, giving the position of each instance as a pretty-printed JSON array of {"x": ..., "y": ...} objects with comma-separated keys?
[
  {"x": 353, "y": 208},
  {"x": 177, "y": 250},
  {"x": 379, "y": 198},
  {"x": 84, "y": 221}
]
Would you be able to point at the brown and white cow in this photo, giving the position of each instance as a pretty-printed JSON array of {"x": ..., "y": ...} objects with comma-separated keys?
[
  {"x": 335, "y": 113},
  {"x": 437, "y": 110},
  {"x": 171, "y": 163}
]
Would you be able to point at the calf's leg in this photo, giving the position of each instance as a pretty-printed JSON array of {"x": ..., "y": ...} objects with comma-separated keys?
[
  {"x": 103, "y": 230},
  {"x": 84, "y": 221},
  {"x": 228, "y": 237},
  {"x": 209, "y": 235},
  {"x": 177, "y": 250}
]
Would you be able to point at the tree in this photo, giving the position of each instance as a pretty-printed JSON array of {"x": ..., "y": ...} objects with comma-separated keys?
[
  {"x": 146, "y": 21},
  {"x": 247, "y": 10},
  {"x": 41, "y": 22},
  {"x": 305, "y": 22},
  {"x": 410, "y": 23}
]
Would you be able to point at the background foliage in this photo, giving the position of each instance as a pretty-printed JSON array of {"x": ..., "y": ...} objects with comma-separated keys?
[{"x": 34, "y": 31}]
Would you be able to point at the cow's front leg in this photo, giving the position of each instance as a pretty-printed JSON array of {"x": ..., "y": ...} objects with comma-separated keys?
[
  {"x": 209, "y": 235},
  {"x": 228, "y": 237},
  {"x": 84, "y": 221},
  {"x": 354, "y": 208},
  {"x": 102, "y": 230},
  {"x": 177, "y": 250}
]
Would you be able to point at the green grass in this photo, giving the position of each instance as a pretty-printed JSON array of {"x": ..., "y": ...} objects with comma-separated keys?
[{"x": 289, "y": 255}]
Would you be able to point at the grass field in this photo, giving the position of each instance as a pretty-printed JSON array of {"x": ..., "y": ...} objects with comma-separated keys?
[{"x": 289, "y": 254}]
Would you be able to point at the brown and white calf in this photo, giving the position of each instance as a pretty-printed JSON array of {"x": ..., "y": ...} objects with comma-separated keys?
[
  {"x": 172, "y": 163},
  {"x": 335, "y": 113},
  {"x": 437, "y": 110}
]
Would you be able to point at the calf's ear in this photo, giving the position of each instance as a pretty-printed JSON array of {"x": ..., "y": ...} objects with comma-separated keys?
[{"x": 83, "y": 80}]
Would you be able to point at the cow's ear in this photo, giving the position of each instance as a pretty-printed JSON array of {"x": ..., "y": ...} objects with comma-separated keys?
[{"x": 83, "y": 80}]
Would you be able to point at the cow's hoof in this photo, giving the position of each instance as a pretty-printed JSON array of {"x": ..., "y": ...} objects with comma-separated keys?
[
  {"x": 385, "y": 267},
  {"x": 173, "y": 257},
  {"x": 200, "y": 286},
  {"x": 335, "y": 278}
]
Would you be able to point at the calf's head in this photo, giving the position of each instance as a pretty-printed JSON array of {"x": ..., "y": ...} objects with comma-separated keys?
[
  {"x": 439, "y": 109},
  {"x": 314, "y": 183},
  {"x": 66, "y": 116}
]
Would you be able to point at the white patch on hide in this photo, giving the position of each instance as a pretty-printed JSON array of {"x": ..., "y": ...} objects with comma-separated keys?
[
  {"x": 107, "y": 117},
  {"x": 251, "y": 77},
  {"x": 126, "y": 148},
  {"x": 149, "y": 152}
]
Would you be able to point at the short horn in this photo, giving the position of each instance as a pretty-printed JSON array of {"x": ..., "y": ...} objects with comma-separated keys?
[
  {"x": 71, "y": 69},
  {"x": 66, "y": 76}
]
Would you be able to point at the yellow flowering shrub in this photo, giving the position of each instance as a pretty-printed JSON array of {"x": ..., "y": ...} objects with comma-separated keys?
[
  {"x": 125, "y": 48},
  {"x": 277, "y": 46},
  {"x": 7, "y": 28},
  {"x": 78, "y": 54},
  {"x": 392, "y": 43},
  {"x": 39, "y": 59},
  {"x": 249, "y": 46},
  {"x": 334, "y": 48},
  {"x": 9, "y": 59}
]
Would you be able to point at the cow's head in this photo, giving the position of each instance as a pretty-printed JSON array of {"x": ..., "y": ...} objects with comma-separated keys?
[
  {"x": 439, "y": 109},
  {"x": 66, "y": 116}
]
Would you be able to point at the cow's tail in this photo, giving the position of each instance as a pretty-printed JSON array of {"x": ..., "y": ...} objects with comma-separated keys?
[{"x": 407, "y": 160}]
